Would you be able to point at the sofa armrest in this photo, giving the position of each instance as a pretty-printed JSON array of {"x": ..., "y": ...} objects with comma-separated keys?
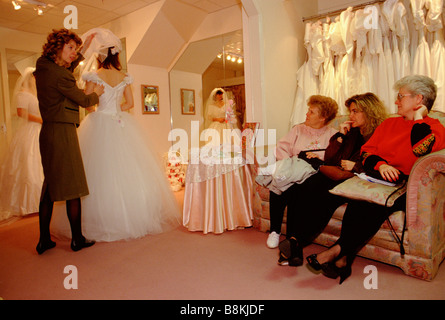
[{"x": 425, "y": 205}]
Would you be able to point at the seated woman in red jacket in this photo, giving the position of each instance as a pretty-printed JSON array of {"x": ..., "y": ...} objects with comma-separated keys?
[{"x": 391, "y": 152}]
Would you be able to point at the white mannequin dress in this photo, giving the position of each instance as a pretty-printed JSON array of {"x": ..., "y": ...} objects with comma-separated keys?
[{"x": 129, "y": 193}]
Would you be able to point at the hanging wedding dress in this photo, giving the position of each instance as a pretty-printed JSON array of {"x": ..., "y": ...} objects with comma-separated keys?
[
  {"x": 422, "y": 57},
  {"x": 395, "y": 14},
  {"x": 339, "y": 51},
  {"x": 379, "y": 63},
  {"x": 389, "y": 92},
  {"x": 317, "y": 50},
  {"x": 362, "y": 62},
  {"x": 389, "y": 8},
  {"x": 402, "y": 31},
  {"x": 400, "y": 45},
  {"x": 346, "y": 73},
  {"x": 307, "y": 83},
  {"x": 434, "y": 25},
  {"x": 327, "y": 80}
]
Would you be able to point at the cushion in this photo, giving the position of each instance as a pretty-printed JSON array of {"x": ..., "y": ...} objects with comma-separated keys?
[{"x": 359, "y": 189}]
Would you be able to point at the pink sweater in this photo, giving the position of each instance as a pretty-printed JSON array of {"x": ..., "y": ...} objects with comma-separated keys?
[{"x": 302, "y": 137}]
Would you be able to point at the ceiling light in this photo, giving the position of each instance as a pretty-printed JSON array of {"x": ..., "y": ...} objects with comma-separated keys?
[
  {"x": 240, "y": 60},
  {"x": 39, "y": 10},
  {"x": 229, "y": 57},
  {"x": 16, "y": 5},
  {"x": 233, "y": 59}
]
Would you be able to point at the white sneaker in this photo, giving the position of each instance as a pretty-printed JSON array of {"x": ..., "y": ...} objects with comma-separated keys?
[{"x": 273, "y": 240}]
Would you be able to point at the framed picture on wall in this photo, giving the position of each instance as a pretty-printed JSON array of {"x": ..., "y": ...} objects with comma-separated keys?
[
  {"x": 150, "y": 99},
  {"x": 188, "y": 101}
]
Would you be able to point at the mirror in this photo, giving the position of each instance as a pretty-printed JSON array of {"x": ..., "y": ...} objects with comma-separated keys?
[
  {"x": 203, "y": 66},
  {"x": 188, "y": 101},
  {"x": 150, "y": 99}
]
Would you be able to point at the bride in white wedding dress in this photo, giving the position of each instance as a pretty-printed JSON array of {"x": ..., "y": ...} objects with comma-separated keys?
[{"x": 129, "y": 193}]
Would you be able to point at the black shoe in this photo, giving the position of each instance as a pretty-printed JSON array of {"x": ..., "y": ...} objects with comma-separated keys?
[
  {"x": 330, "y": 270},
  {"x": 43, "y": 246},
  {"x": 291, "y": 251},
  {"x": 79, "y": 245},
  {"x": 313, "y": 263}
]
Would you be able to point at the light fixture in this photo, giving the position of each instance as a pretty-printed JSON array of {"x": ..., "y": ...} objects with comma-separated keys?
[
  {"x": 234, "y": 57},
  {"x": 16, "y": 5},
  {"x": 38, "y": 5}
]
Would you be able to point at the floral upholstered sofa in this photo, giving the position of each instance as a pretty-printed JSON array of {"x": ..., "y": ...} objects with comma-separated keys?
[{"x": 424, "y": 237}]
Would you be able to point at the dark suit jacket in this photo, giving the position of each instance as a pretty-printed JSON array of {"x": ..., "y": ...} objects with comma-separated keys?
[{"x": 59, "y": 97}]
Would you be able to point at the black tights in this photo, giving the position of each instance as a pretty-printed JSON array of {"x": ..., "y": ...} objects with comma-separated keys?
[
  {"x": 361, "y": 221},
  {"x": 310, "y": 206},
  {"x": 74, "y": 212}
]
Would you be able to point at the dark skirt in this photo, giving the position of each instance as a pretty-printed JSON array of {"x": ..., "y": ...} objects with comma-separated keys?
[{"x": 62, "y": 162}]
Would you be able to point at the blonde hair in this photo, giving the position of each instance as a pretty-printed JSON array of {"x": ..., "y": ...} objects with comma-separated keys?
[
  {"x": 373, "y": 108},
  {"x": 327, "y": 106}
]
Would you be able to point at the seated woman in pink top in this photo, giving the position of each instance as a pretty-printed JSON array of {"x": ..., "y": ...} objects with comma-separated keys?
[{"x": 313, "y": 134}]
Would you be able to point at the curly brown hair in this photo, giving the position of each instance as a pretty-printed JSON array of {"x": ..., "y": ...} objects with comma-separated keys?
[
  {"x": 56, "y": 40},
  {"x": 328, "y": 107}
]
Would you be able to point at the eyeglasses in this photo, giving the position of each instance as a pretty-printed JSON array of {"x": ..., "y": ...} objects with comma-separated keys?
[{"x": 400, "y": 96}]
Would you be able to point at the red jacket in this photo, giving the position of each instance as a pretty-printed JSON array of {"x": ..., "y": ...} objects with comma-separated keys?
[{"x": 392, "y": 143}]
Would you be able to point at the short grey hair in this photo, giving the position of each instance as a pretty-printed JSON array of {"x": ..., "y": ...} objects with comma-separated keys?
[{"x": 417, "y": 84}]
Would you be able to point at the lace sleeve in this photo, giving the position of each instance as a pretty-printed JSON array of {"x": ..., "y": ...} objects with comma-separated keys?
[
  {"x": 90, "y": 76},
  {"x": 128, "y": 79}
]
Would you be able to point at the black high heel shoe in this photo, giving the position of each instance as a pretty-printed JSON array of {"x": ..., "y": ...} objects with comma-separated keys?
[
  {"x": 291, "y": 253},
  {"x": 42, "y": 246},
  {"x": 331, "y": 271},
  {"x": 83, "y": 243},
  {"x": 313, "y": 262}
]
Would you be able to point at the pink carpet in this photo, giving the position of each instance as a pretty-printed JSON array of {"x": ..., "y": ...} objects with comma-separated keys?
[{"x": 181, "y": 265}]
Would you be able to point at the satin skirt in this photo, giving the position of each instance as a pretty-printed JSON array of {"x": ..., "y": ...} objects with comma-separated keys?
[
  {"x": 21, "y": 174},
  {"x": 222, "y": 203}
]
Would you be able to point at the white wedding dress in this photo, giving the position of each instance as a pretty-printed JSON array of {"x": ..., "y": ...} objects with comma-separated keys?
[
  {"x": 21, "y": 172},
  {"x": 129, "y": 193}
]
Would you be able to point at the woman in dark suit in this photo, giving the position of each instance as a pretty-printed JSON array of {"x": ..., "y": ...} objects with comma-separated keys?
[{"x": 59, "y": 101}]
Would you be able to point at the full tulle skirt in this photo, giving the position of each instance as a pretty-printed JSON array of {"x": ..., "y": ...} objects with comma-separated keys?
[{"x": 129, "y": 193}]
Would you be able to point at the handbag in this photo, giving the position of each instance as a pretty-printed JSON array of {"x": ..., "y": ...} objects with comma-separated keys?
[{"x": 314, "y": 162}]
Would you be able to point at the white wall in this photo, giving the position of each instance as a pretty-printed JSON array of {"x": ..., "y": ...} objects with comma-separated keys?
[
  {"x": 275, "y": 53},
  {"x": 186, "y": 80},
  {"x": 325, "y": 6},
  {"x": 157, "y": 127}
]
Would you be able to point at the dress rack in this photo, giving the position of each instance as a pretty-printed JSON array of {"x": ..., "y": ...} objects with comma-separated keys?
[{"x": 337, "y": 12}]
